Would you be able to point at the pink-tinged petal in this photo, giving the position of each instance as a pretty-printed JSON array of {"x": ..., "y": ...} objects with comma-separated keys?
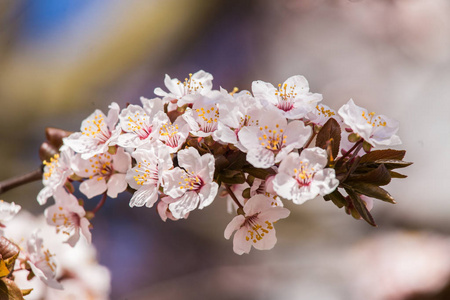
[
  {"x": 187, "y": 203},
  {"x": 273, "y": 214},
  {"x": 162, "y": 208},
  {"x": 146, "y": 195},
  {"x": 300, "y": 83},
  {"x": 84, "y": 227},
  {"x": 261, "y": 158},
  {"x": 234, "y": 225},
  {"x": 122, "y": 161},
  {"x": 73, "y": 239},
  {"x": 93, "y": 187},
  {"x": 171, "y": 179},
  {"x": 248, "y": 136},
  {"x": 297, "y": 134},
  {"x": 256, "y": 204},
  {"x": 113, "y": 115},
  {"x": 208, "y": 194},
  {"x": 267, "y": 241},
  {"x": 44, "y": 194},
  {"x": 190, "y": 159},
  {"x": 264, "y": 91},
  {"x": 116, "y": 184},
  {"x": 284, "y": 185},
  {"x": 240, "y": 243}
]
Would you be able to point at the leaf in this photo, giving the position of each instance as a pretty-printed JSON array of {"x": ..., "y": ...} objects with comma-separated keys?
[
  {"x": 4, "y": 271},
  {"x": 370, "y": 190},
  {"x": 231, "y": 176},
  {"x": 393, "y": 163},
  {"x": 360, "y": 207},
  {"x": 9, "y": 290},
  {"x": 379, "y": 176},
  {"x": 383, "y": 154},
  {"x": 397, "y": 175},
  {"x": 259, "y": 173},
  {"x": 26, "y": 292},
  {"x": 331, "y": 130},
  {"x": 9, "y": 253},
  {"x": 337, "y": 198}
]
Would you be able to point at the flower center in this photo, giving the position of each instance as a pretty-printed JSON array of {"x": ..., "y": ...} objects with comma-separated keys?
[
  {"x": 168, "y": 133},
  {"x": 303, "y": 175},
  {"x": 256, "y": 232},
  {"x": 286, "y": 96},
  {"x": 372, "y": 120},
  {"x": 51, "y": 166},
  {"x": 191, "y": 85},
  {"x": 147, "y": 172},
  {"x": 66, "y": 222},
  {"x": 190, "y": 182},
  {"x": 97, "y": 129},
  {"x": 207, "y": 119},
  {"x": 321, "y": 111},
  {"x": 138, "y": 125},
  {"x": 101, "y": 165},
  {"x": 272, "y": 139}
]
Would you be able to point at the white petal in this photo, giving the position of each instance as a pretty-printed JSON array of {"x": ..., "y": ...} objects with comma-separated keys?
[
  {"x": 234, "y": 225},
  {"x": 116, "y": 184},
  {"x": 93, "y": 187}
]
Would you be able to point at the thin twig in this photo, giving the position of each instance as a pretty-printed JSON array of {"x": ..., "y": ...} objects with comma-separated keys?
[
  {"x": 233, "y": 196},
  {"x": 100, "y": 204},
  {"x": 351, "y": 149},
  {"x": 9, "y": 184}
]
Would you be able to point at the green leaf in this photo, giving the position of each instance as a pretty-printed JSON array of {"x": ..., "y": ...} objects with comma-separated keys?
[
  {"x": 379, "y": 176},
  {"x": 370, "y": 190},
  {"x": 383, "y": 154},
  {"x": 331, "y": 130},
  {"x": 360, "y": 207},
  {"x": 259, "y": 173},
  {"x": 9, "y": 290},
  {"x": 337, "y": 198}
]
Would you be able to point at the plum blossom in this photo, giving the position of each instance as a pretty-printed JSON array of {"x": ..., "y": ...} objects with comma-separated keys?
[
  {"x": 106, "y": 172},
  {"x": 68, "y": 216},
  {"x": 56, "y": 172},
  {"x": 141, "y": 124},
  {"x": 8, "y": 211},
  {"x": 241, "y": 110},
  {"x": 204, "y": 115},
  {"x": 321, "y": 114},
  {"x": 272, "y": 139},
  {"x": 255, "y": 227},
  {"x": 97, "y": 133},
  {"x": 185, "y": 92},
  {"x": 191, "y": 184},
  {"x": 173, "y": 135},
  {"x": 292, "y": 97},
  {"x": 41, "y": 261},
  {"x": 377, "y": 130},
  {"x": 303, "y": 177},
  {"x": 146, "y": 177}
]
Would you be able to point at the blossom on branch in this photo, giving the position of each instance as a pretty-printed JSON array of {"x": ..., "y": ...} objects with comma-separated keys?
[
  {"x": 106, "y": 173},
  {"x": 68, "y": 216},
  {"x": 292, "y": 98},
  {"x": 255, "y": 227},
  {"x": 377, "y": 130},
  {"x": 303, "y": 177},
  {"x": 191, "y": 184}
]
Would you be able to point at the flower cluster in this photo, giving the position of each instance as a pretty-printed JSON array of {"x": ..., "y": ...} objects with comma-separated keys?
[{"x": 180, "y": 150}]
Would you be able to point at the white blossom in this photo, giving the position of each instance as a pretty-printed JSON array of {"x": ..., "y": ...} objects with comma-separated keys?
[
  {"x": 303, "y": 177},
  {"x": 292, "y": 98},
  {"x": 255, "y": 228},
  {"x": 377, "y": 130},
  {"x": 272, "y": 139},
  {"x": 105, "y": 173},
  {"x": 97, "y": 133},
  {"x": 191, "y": 184},
  {"x": 183, "y": 93}
]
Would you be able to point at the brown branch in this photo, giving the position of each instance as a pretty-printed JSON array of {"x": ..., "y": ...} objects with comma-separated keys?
[{"x": 9, "y": 184}]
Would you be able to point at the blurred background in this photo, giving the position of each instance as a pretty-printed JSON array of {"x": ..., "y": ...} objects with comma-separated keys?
[{"x": 61, "y": 60}]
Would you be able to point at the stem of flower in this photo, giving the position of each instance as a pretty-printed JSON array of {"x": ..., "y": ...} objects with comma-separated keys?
[
  {"x": 233, "y": 196},
  {"x": 9, "y": 184},
  {"x": 352, "y": 148},
  {"x": 100, "y": 204}
]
